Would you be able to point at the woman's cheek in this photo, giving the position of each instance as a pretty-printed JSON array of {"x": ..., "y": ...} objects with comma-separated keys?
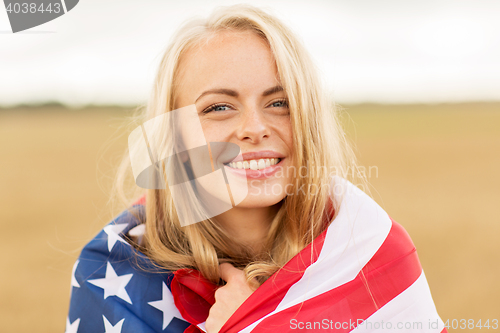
[{"x": 217, "y": 131}]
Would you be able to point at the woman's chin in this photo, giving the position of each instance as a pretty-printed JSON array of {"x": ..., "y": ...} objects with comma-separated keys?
[{"x": 256, "y": 200}]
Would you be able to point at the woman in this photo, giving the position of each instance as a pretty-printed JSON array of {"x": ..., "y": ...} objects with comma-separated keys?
[{"x": 246, "y": 224}]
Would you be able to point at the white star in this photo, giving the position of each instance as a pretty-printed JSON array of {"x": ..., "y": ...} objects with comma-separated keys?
[
  {"x": 113, "y": 231},
  {"x": 167, "y": 306},
  {"x": 108, "y": 328},
  {"x": 75, "y": 283},
  {"x": 138, "y": 231},
  {"x": 72, "y": 328},
  {"x": 113, "y": 284}
]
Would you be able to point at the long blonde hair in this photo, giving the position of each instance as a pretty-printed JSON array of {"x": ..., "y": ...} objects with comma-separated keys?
[{"x": 318, "y": 143}]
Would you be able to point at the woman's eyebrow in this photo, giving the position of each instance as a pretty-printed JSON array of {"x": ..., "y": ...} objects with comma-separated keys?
[
  {"x": 218, "y": 91},
  {"x": 234, "y": 93},
  {"x": 272, "y": 90}
]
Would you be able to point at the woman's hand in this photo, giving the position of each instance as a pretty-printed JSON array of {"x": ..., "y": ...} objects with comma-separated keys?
[{"x": 228, "y": 298}]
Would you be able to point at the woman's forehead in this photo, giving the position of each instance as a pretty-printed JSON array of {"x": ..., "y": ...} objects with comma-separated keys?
[{"x": 230, "y": 58}]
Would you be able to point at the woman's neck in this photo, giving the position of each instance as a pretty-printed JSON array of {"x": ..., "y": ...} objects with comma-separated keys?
[{"x": 248, "y": 226}]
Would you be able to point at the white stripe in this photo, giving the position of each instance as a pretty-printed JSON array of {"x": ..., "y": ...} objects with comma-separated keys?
[
  {"x": 201, "y": 326},
  {"x": 413, "y": 310},
  {"x": 352, "y": 239}
]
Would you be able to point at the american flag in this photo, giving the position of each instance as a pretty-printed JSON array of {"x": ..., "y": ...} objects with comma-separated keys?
[{"x": 362, "y": 274}]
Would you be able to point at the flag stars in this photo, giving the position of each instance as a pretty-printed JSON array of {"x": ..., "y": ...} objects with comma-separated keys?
[
  {"x": 167, "y": 306},
  {"x": 113, "y": 284},
  {"x": 108, "y": 328},
  {"x": 72, "y": 327},
  {"x": 113, "y": 231},
  {"x": 74, "y": 283}
]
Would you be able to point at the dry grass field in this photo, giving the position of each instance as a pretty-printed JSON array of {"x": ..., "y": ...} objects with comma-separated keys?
[{"x": 435, "y": 169}]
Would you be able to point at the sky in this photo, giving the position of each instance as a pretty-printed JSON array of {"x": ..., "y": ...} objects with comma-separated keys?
[{"x": 381, "y": 51}]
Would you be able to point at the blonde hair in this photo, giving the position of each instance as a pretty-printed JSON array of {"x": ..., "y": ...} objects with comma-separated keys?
[{"x": 318, "y": 141}]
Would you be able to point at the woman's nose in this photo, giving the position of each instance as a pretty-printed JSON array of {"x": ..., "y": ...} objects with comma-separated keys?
[{"x": 253, "y": 126}]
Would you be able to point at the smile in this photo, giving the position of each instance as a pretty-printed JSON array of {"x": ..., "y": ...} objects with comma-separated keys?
[{"x": 259, "y": 164}]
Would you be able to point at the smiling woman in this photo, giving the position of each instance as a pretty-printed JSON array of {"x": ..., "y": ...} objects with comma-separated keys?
[
  {"x": 233, "y": 81},
  {"x": 303, "y": 245}
]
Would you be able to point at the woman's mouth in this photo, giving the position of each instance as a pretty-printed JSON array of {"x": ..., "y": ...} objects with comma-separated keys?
[
  {"x": 262, "y": 168},
  {"x": 258, "y": 164}
]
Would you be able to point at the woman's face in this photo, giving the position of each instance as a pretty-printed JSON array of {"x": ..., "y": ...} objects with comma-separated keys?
[{"x": 233, "y": 82}]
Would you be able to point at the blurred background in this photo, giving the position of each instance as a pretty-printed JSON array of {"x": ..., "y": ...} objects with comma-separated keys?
[{"x": 419, "y": 87}]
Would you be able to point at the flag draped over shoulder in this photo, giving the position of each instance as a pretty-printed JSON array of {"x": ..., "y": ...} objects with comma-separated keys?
[{"x": 362, "y": 274}]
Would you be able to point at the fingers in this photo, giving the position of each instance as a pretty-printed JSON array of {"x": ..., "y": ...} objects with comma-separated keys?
[
  {"x": 228, "y": 272},
  {"x": 236, "y": 276}
]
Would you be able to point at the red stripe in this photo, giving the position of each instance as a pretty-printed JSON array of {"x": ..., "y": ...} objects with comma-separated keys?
[
  {"x": 393, "y": 268},
  {"x": 271, "y": 292},
  {"x": 193, "y": 295},
  {"x": 140, "y": 201}
]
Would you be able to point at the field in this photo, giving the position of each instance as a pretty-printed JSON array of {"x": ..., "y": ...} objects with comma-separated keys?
[{"x": 434, "y": 168}]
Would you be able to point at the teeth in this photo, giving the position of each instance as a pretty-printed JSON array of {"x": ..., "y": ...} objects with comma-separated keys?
[
  {"x": 262, "y": 164},
  {"x": 255, "y": 164}
]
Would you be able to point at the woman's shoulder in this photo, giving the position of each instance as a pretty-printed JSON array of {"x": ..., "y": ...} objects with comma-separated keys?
[
  {"x": 363, "y": 221},
  {"x": 112, "y": 247},
  {"x": 113, "y": 241},
  {"x": 365, "y": 234},
  {"x": 397, "y": 248},
  {"x": 114, "y": 284}
]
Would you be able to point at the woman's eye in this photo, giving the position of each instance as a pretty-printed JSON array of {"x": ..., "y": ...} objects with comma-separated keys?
[
  {"x": 220, "y": 108},
  {"x": 217, "y": 107},
  {"x": 279, "y": 104}
]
